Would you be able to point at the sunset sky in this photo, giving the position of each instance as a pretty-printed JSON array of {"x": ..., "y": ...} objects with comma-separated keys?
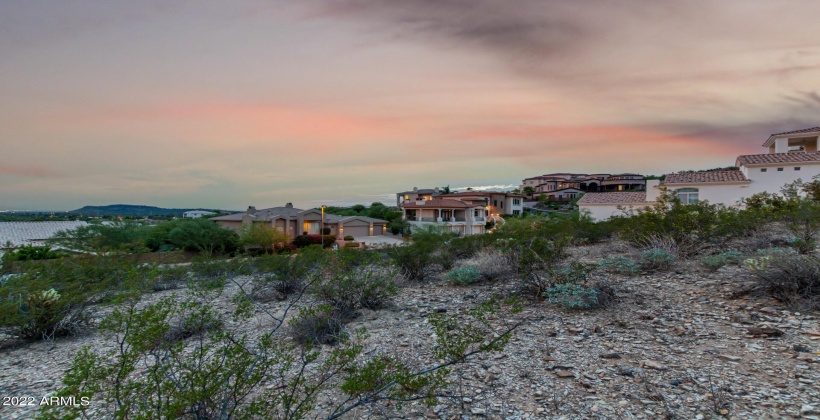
[{"x": 225, "y": 104}]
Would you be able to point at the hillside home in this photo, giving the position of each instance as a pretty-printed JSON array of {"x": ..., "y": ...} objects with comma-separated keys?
[
  {"x": 566, "y": 187},
  {"x": 295, "y": 222},
  {"x": 417, "y": 194},
  {"x": 196, "y": 214},
  {"x": 791, "y": 156},
  {"x": 465, "y": 216},
  {"x": 498, "y": 203}
]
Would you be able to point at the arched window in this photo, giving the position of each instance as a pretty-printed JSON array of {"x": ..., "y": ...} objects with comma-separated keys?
[{"x": 687, "y": 195}]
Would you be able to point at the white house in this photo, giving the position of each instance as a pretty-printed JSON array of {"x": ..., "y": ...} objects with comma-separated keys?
[
  {"x": 196, "y": 214},
  {"x": 791, "y": 156}
]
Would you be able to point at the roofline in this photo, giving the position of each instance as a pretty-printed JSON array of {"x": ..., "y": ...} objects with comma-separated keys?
[
  {"x": 799, "y": 162},
  {"x": 642, "y": 203},
  {"x": 773, "y": 137},
  {"x": 705, "y": 183}
]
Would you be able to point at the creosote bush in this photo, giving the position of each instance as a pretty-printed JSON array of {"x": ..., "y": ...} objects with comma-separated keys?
[
  {"x": 791, "y": 278},
  {"x": 715, "y": 262},
  {"x": 572, "y": 296},
  {"x": 321, "y": 324}
]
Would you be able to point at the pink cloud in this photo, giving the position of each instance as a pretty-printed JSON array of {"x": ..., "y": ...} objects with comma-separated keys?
[{"x": 27, "y": 170}]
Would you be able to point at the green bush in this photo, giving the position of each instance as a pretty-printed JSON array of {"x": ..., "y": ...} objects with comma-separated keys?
[
  {"x": 657, "y": 259},
  {"x": 203, "y": 236},
  {"x": 278, "y": 276},
  {"x": 125, "y": 236},
  {"x": 575, "y": 272},
  {"x": 351, "y": 245},
  {"x": 715, "y": 262},
  {"x": 463, "y": 276},
  {"x": 347, "y": 286},
  {"x": 348, "y": 238},
  {"x": 303, "y": 241},
  {"x": 619, "y": 265},
  {"x": 572, "y": 296}
]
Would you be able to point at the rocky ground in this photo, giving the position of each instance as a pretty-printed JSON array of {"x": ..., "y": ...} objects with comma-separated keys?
[{"x": 677, "y": 345}]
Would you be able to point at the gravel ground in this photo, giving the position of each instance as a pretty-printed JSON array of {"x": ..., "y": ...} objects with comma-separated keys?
[{"x": 676, "y": 345}]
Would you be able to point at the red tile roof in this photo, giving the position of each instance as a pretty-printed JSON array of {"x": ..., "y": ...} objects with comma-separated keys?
[
  {"x": 778, "y": 158},
  {"x": 705, "y": 177},
  {"x": 613, "y": 198},
  {"x": 440, "y": 203},
  {"x": 803, "y": 131}
]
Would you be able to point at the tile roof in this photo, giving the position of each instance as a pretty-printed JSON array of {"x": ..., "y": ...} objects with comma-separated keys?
[
  {"x": 705, "y": 177},
  {"x": 23, "y": 233},
  {"x": 440, "y": 203},
  {"x": 775, "y": 158},
  {"x": 614, "y": 198},
  {"x": 803, "y": 131}
]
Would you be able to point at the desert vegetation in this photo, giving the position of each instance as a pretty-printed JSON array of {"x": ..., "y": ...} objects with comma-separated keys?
[{"x": 252, "y": 328}]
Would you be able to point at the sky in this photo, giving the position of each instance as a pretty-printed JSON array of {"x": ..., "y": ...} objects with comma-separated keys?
[{"x": 219, "y": 104}]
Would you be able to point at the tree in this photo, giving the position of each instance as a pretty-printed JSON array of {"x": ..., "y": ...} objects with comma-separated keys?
[
  {"x": 445, "y": 190},
  {"x": 529, "y": 191},
  {"x": 261, "y": 237},
  {"x": 103, "y": 237},
  {"x": 204, "y": 236}
]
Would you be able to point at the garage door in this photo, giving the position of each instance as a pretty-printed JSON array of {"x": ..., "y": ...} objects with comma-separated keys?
[{"x": 357, "y": 231}]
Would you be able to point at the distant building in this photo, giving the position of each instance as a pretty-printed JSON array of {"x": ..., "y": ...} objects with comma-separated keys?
[
  {"x": 295, "y": 221},
  {"x": 196, "y": 214},
  {"x": 791, "y": 156},
  {"x": 568, "y": 186},
  {"x": 16, "y": 234},
  {"x": 465, "y": 213}
]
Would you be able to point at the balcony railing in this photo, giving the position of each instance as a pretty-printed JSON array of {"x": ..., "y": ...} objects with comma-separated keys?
[{"x": 428, "y": 219}]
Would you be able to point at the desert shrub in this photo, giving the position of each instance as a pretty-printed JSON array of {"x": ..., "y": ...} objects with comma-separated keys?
[
  {"x": 715, "y": 262},
  {"x": 464, "y": 275},
  {"x": 33, "y": 252},
  {"x": 348, "y": 238},
  {"x": 492, "y": 262},
  {"x": 317, "y": 325},
  {"x": 170, "y": 277},
  {"x": 575, "y": 272},
  {"x": 278, "y": 276},
  {"x": 303, "y": 241},
  {"x": 619, "y": 265},
  {"x": 572, "y": 296},
  {"x": 789, "y": 277},
  {"x": 657, "y": 259},
  {"x": 203, "y": 236},
  {"x": 347, "y": 287},
  {"x": 191, "y": 318},
  {"x": 51, "y": 298},
  {"x": 125, "y": 236},
  {"x": 415, "y": 258},
  {"x": 261, "y": 238},
  {"x": 214, "y": 273},
  {"x": 606, "y": 295}
]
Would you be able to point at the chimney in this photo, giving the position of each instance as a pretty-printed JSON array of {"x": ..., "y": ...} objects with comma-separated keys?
[
  {"x": 251, "y": 210},
  {"x": 289, "y": 205},
  {"x": 469, "y": 188},
  {"x": 415, "y": 189}
]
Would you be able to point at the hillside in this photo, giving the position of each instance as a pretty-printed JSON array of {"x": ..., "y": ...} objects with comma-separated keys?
[{"x": 130, "y": 210}]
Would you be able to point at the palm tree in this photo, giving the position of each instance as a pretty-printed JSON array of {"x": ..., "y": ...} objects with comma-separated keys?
[
  {"x": 529, "y": 191},
  {"x": 445, "y": 190}
]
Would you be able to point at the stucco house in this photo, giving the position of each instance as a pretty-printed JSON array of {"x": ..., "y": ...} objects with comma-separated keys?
[
  {"x": 567, "y": 186},
  {"x": 791, "y": 156},
  {"x": 196, "y": 214},
  {"x": 294, "y": 221},
  {"x": 417, "y": 194},
  {"x": 465, "y": 216},
  {"x": 498, "y": 202}
]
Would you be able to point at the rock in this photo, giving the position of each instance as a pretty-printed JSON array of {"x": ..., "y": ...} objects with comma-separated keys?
[
  {"x": 610, "y": 356},
  {"x": 765, "y": 331},
  {"x": 808, "y": 409},
  {"x": 652, "y": 365},
  {"x": 730, "y": 358},
  {"x": 801, "y": 349},
  {"x": 479, "y": 411},
  {"x": 564, "y": 374}
]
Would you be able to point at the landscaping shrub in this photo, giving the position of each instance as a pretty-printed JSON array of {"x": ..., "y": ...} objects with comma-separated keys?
[
  {"x": 351, "y": 245},
  {"x": 572, "y": 296},
  {"x": 492, "y": 262},
  {"x": 788, "y": 277},
  {"x": 170, "y": 277},
  {"x": 464, "y": 275},
  {"x": 656, "y": 259},
  {"x": 619, "y": 265},
  {"x": 348, "y": 238},
  {"x": 317, "y": 325},
  {"x": 302, "y": 241}
]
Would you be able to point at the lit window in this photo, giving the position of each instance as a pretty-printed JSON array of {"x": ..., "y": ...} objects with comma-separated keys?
[{"x": 687, "y": 195}]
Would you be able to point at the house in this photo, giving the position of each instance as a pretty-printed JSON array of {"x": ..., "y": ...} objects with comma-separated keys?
[
  {"x": 498, "y": 202},
  {"x": 568, "y": 186},
  {"x": 196, "y": 214},
  {"x": 417, "y": 194},
  {"x": 465, "y": 215},
  {"x": 603, "y": 205},
  {"x": 791, "y": 156},
  {"x": 294, "y": 221}
]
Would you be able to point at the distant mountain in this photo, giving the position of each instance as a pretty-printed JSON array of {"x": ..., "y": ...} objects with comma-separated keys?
[{"x": 130, "y": 210}]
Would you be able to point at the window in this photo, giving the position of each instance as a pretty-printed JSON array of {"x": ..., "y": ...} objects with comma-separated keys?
[
  {"x": 495, "y": 203},
  {"x": 517, "y": 202},
  {"x": 502, "y": 204},
  {"x": 516, "y": 212},
  {"x": 764, "y": 170},
  {"x": 687, "y": 195},
  {"x": 312, "y": 227},
  {"x": 796, "y": 168},
  {"x": 779, "y": 169}
]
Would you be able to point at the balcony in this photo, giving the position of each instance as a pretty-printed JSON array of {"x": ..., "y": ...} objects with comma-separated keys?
[{"x": 427, "y": 219}]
